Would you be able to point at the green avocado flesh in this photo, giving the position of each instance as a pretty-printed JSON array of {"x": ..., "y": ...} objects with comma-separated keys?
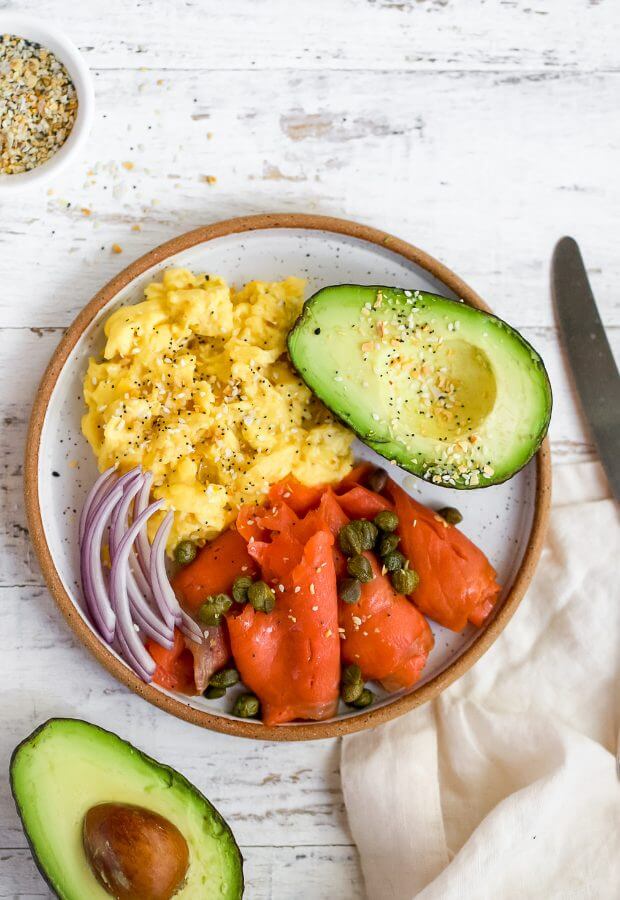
[
  {"x": 448, "y": 392},
  {"x": 67, "y": 766}
]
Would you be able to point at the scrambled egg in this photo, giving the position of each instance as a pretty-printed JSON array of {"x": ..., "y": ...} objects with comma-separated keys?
[{"x": 195, "y": 385}]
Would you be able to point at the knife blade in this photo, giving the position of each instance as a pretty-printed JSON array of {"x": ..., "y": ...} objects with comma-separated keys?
[{"x": 591, "y": 361}]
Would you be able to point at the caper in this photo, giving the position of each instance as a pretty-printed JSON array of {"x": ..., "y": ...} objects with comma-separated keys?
[
  {"x": 450, "y": 514},
  {"x": 358, "y": 535},
  {"x": 364, "y": 699},
  {"x": 350, "y": 539},
  {"x": 388, "y": 543},
  {"x": 212, "y": 610},
  {"x": 370, "y": 533},
  {"x": 349, "y": 590},
  {"x": 377, "y": 480},
  {"x": 351, "y": 674},
  {"x": 185, "y": 552},
  {"x": 386, "y": 520},
  {"x": 214, "y": 693},
  {"x": 225, "y": 678},
  {"x": 405, "y": 581},
  {"x": 261, "y": 597},
  {"x": 351, "y": 692},
  {"x": 208, "y": 615},
  {"x": 247, "y": 706},
  {"x": 394, "y": 560},
  {"x": 240, "y": 588},
  {"x": 359, "y": 567}
]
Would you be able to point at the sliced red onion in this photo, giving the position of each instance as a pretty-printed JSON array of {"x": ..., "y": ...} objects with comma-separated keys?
[
  {"x": 122, "y": 613},
  {"x": 148, "y": 629},
  {"x": 89, "y": 595},
  {"x": 137, "y": 576},
  {"x": 139, "y": 561},
  {"x": 142, "y": 542},
  {"x": 161, "y": 632},
  {"x": 140, "y": 606},
  {"x": 99, "y": 488},
  {"x": 120, "y": 600},
  {"x": 162, "y": 589},
  {"x": 190, "y": 628},
  {"x": 130, "y": 659},
  {"x": 118, "y": 522},
  {"x": 93, "y": 581},
  {"x": 121, "y": 482}
]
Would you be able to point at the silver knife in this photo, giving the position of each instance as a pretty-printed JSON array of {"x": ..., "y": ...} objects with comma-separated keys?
[{"x": 591, "y": 361}]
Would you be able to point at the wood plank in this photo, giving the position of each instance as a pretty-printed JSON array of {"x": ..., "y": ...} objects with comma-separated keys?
[
  {"x": 271, "y": 873},
  {"x": 349, "y": 34},
  {"x": 484, "y": 171}
]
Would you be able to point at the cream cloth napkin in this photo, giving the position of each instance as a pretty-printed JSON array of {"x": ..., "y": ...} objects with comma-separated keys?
[{"x": 505, "y": 786}]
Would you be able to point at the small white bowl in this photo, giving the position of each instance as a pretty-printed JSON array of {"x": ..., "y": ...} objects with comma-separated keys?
[{"x": 50, "y": 37}]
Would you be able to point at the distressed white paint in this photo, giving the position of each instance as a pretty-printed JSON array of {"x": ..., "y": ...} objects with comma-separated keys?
[
  {"x": 382, "y": 35},
  {"x": 483, "y": 170},
  {"x": 479, "y": 130}
]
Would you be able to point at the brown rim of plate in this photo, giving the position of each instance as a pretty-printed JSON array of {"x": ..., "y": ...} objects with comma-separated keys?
[{"x": 251, "y": 729}]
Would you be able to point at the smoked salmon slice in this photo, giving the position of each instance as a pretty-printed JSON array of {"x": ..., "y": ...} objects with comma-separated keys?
[
  {"x": 290, "y": 658},
  {"x": 384, "y": 634},
  {"x": 457, "y": 582},
  {"x": 213, "y": 571},
  {"x": 360, "y": 503},
  {"x": 298, "y": 496},
  {"x": 175, "y": 667},
  {"x": 188, "y": 666},
  {"x": 209, "y": 656}
]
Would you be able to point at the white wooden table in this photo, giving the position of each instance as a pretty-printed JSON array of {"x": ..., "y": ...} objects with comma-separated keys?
[{"x": 481, "y": 131}]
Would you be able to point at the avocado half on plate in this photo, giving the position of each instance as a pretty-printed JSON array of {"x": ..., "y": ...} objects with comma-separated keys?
[
  {"x": 105, "y": 820},
  {"x": 448, "y": 392}
]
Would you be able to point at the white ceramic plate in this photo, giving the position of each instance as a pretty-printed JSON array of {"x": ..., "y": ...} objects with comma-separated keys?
[{"x": 499, "y": 519}]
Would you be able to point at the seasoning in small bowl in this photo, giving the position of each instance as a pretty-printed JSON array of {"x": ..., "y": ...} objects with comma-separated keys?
[
  {"x": 46, "y": 102},
  {"x": 38, "y": 104}
]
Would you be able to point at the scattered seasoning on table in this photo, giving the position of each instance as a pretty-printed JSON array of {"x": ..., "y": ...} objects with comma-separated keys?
[
  {"x": 38, "y": 104},
  {"x": 116, "y": 248}
]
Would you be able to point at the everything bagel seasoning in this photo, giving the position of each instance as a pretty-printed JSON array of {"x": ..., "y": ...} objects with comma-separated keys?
[{"x": 38, "y": 105}]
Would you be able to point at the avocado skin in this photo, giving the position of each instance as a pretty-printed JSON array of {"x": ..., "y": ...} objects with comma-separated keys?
[
  {"x": 388, "y": 449},
  {"x": 172, "y": 774}
]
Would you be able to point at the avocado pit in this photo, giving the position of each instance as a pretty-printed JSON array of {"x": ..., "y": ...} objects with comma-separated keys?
[{"x": 134, "y": 853}]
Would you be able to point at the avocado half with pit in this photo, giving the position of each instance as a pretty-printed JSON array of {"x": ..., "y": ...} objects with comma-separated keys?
[
  {"x": 97, "y": 811},
  {"x": 448, "y": 392}
]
